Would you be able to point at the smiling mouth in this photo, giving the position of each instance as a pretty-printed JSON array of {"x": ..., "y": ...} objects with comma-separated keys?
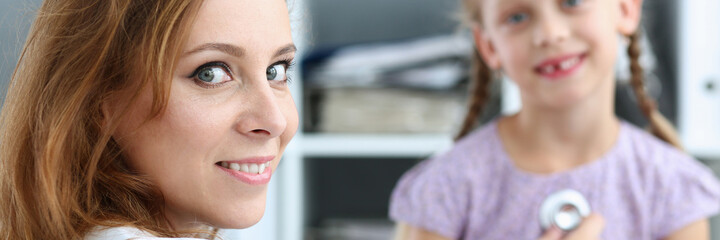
[
  {"x": 564, "y": 65},
  {"x": 560, "y": 67},
  {"x": 252, "y": 168}
]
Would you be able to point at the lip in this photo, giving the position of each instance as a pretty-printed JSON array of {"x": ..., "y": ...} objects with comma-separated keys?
[
  {"x": 250, "y": 178},
  {"x": 558, "y": 73},
  {"x": 256, "y": 160}
]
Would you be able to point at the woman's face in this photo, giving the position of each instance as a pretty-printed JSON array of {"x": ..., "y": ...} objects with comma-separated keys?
[{"x": 228, "y": 118}]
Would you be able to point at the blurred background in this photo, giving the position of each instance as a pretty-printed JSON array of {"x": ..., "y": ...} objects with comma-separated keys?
[{"x": 381, "y": 85}]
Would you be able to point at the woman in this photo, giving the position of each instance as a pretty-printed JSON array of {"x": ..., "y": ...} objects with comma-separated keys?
[{"x": 145, "y": 118}]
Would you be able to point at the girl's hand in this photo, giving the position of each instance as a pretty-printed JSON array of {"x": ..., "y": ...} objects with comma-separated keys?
[{"x": 590, "y": 228}]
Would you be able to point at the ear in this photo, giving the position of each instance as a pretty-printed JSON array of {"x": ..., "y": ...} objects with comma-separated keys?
[
  {"x": 630, "y": 15},
  {"x": 110, "y": 107},
  {"x": 106, "y": 110},
  {"x": 486, "y": 48}
]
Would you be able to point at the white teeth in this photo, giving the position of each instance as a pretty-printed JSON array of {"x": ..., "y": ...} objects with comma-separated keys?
[
  {"x": 564, "y": 65},
  {"x": 254, "y": 168},
  {"x": 235, "y": 166},
  {"x": 567, "y": 64},
  {"x": 248, "y": 168},
  {"x": 548, "y": 69}
]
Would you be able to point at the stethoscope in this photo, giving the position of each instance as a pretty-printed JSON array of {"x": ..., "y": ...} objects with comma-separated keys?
[{"x": 564, "y": 209}]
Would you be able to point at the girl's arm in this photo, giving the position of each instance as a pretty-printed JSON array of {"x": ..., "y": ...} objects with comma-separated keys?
[
  {"x": 699, "y": 230},
  {"x": 407, "y": 232}
]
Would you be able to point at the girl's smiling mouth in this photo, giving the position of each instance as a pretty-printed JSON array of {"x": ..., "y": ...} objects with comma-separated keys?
[{"x": 559, "y": 67}]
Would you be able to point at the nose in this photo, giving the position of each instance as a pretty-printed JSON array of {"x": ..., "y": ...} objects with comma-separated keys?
[
  {"x": 262, "y": 116},
  {"x": 550, "y": 30}
]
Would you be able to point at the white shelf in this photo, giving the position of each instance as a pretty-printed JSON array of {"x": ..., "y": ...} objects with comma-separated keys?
[
  {"x": 374, "y": 145},
  {"x": 699, "y": 51}
]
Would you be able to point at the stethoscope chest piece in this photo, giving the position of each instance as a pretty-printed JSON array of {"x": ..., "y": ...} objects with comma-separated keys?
[{"x": 564, "y": 209}]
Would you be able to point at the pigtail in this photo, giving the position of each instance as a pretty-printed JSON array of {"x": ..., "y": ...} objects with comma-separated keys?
[
  {"x": 659, "y": 125},
  {"x": 480, "y": 80}
]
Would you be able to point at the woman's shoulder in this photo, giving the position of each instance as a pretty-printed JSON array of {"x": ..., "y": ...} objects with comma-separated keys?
[{"x": 124, "y": 233}]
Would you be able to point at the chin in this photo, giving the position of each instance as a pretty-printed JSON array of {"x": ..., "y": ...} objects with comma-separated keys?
[
  {"x": 240, "y": 224},
  {"x": 241, "y": 217},
  {"x": 567, "y": 98}
]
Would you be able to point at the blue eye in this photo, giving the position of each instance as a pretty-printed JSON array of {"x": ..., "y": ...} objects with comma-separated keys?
[
  {"x": 517, "y": 18},
  {"x": 213, "y": 73},
  {"x": 278, "y": 71},
  {"x": 571, "y": 3}
]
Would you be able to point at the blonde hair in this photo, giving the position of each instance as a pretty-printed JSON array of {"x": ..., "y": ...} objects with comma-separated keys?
[
  {"x": 61, "y": 173},
  {"x": 482, "y": 76}
]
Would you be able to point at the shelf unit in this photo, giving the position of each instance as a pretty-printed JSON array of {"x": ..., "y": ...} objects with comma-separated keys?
[
  {"x": 368, "y": 145},
  {"x": 699, "y": 77}
]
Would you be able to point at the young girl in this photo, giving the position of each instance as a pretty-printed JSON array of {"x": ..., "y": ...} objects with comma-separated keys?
[
  {"x": 561, "y": 54},
  {"x": 141, "y": 119}
]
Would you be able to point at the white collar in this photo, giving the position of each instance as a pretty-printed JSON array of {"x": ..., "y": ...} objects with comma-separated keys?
[{"x": 124, "y": 233}]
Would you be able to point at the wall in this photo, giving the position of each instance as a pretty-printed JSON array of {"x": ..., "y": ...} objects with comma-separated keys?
[{"x": 15, "y": 19}]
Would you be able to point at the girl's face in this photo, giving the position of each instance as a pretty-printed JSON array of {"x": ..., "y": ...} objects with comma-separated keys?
[
  {"x": 228, "y": 118},
  {"x": 557, "y": 51}
]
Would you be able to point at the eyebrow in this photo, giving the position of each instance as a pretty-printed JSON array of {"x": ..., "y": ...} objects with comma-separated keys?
[
  {"x": 223, "y": 47},
  {"x": 289, "y": 48},
  {"x": 237, "y": 51}
]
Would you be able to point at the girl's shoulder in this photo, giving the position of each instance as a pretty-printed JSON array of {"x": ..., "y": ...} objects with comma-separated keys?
[
  {"x": 479, "y": 144},
  {"x": 659, "y": 159},
  {"x": 680, "y": 189},
  {"x": 650, "y": 150},
  {"x": 468, "y": 160},
  {"x": 124, "y": 233},
  {"x": 434, "y": 194}
]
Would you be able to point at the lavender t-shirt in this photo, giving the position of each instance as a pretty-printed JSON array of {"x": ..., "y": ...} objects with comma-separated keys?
[{"x": 643, "y": 187}]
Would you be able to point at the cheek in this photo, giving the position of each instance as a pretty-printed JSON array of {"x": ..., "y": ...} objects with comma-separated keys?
[
  {"x": 292, "y": 118},
  {"x": 604, "y": 45},
  {"x": 510, "y": 46},
  {"x": 194, "y": 130},
  {"x": 183, "y": 134},
  {"x": 596, "y": 27},
  {"x": 515, "y": 57},
  {"x": 193, "y": 127}
]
